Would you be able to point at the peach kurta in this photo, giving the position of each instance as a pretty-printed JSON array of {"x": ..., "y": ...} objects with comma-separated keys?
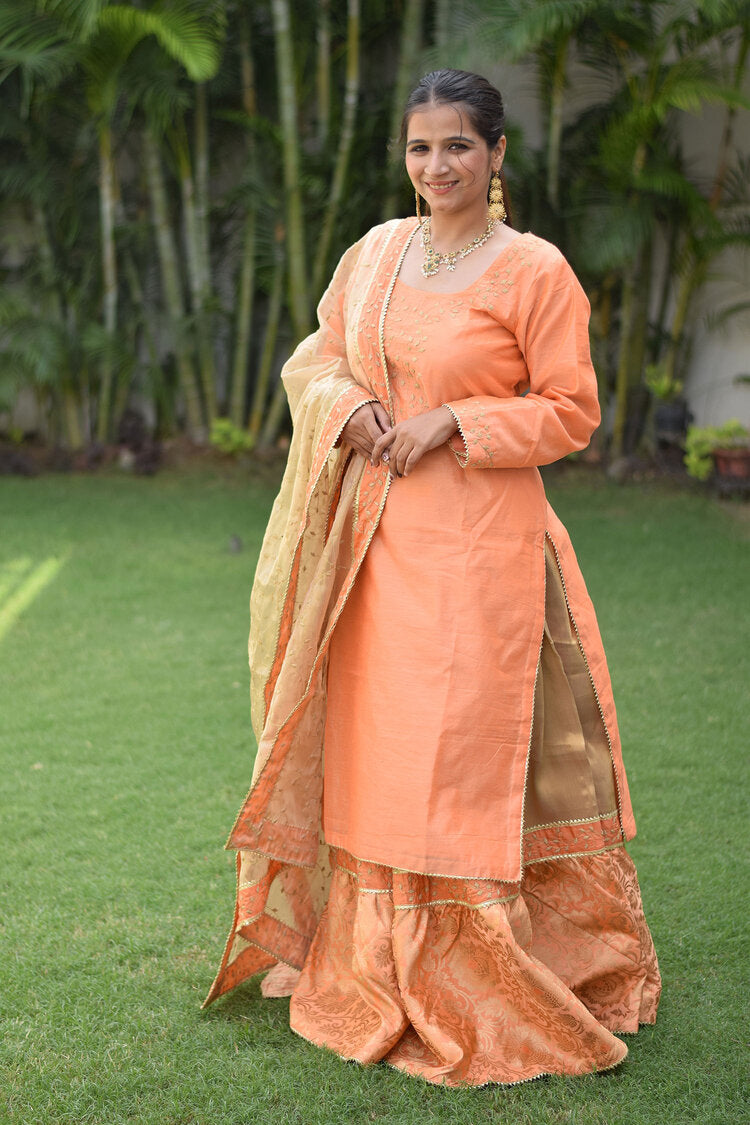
[{"x": 428, "y": 725}]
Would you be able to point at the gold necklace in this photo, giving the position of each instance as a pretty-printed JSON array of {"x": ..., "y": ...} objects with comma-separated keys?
[{"x": 433, "y": 260}]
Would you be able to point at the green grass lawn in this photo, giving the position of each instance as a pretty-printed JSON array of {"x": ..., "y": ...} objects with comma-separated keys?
[{"x": 126, "y": 752}]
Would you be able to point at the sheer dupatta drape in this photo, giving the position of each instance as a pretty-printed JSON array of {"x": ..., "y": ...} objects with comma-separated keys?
[{"x": 319, "y": 530}]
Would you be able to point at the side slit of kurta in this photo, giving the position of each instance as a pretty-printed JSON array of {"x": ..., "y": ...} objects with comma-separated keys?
[{"x": 571, "y": 788}]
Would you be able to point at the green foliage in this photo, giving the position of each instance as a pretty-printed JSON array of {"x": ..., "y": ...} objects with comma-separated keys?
[
  {"x": 608, "y": 183},
  {"x": 661, "y": 383},
  {"x": 180, "y": 28},
  {"x": 47, "y": 352},
  {"x": 38, "y": 48},
  {"x": 228, "y": 438},
  {"x": 702, "y": 441}
]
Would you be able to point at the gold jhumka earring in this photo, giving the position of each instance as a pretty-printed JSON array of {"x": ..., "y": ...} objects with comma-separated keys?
[
  {"x": 419, "y": 213},
  {"x": 496, "y": 209}
]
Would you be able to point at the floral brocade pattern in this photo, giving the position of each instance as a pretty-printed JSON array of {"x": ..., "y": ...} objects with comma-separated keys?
[
  {"x": 553, "y": 841},
  {"x": 470, "y": 982}
]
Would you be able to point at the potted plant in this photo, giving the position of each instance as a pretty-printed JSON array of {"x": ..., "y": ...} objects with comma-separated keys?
[
  {"x": 725, "y": 448},
  {"x": 671, "y": 415}
]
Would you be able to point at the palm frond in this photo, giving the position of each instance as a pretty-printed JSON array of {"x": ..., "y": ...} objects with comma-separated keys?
[
  {"x": 182, "y": 33},
  {"x": 78, "y": 17},
  {"x": 716, "y": 317},
  {"x": 691, "y": 92},
  {"x": 39, "y": 49},
  {"x": 611, "y": 234},
  {"x": 671, "y": 185},
  {"x": 719, "y": 14}
]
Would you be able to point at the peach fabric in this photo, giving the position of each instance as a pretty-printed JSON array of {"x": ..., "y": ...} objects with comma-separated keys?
[
  {"x": 433, "y": 660},
  {"x": 471, "y": 981},
  {"x": 532, "y": 401}
]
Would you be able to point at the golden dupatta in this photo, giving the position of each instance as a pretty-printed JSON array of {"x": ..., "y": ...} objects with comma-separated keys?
[{"x": 320, "y": 528}]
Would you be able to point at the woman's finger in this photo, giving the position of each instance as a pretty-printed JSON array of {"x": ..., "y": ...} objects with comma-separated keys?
[
  {"x": 398, "y": 453},
  {"x": 381, "y": 416},
  {"x": 373, "y": 429},
  {"x": 354, "y": 430},
  {"x": 415, "y": 456},
  {"x": 382, "y": 445}
]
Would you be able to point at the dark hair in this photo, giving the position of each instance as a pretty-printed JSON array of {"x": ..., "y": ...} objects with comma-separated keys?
[{"x": 483, "y": 102}]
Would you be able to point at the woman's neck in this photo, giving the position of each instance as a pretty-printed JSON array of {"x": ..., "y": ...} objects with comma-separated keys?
[{"x": 452, "y": 231}]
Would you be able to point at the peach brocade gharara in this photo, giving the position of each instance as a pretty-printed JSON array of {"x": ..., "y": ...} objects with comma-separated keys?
[{"x": 465, "y": 853}]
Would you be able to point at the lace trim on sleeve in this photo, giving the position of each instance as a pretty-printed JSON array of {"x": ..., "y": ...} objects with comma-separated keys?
[{"x": 461, "y": 457}]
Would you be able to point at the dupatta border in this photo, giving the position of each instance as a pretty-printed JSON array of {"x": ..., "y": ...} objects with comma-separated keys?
[{"x": 251, "y": 828}]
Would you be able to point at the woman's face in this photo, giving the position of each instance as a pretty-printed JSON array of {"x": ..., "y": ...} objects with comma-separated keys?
[{"x": 448, "y": 162}]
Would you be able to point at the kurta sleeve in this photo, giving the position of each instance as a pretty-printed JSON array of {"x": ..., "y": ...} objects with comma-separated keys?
[{"x": 561, "y": 409}]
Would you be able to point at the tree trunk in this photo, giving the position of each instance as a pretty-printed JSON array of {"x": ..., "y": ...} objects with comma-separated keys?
[
  {"x": 164, "y": 405},
  {"x": 172, "y": 288},
  {"x": 669, "y": 271},
  {"x": 274, "y": 416},
  {"x": 622, "y": 376},
  {"x": 411, "y": 42},
  {"x": 600, "y": 329},
  {"x": 246, "y": 281},
  {"x": 638, "y": 342},
  {"x": 202, "y": 188},
  {"x": 323, "y": 72},
  {"x": 443, "y": 10},
  {"x": 295, "y": 230},
  {"x": 346, "y": 139},
  {"x": 72, "y": 422},
  {"x": 630, "y": 280},
  {"x": 243, "y": 321},
  {"x": 50, "y": 299},
  {"x": 263, "y": 380},
  {"x": 193, "y": 240},
  {"x": 689, "y": 282},
  {"x": 202, "y": 297},
  {"x": 109, "y": 271},
  {"x": 639, "y": 332},
  {"x": 554, "y": 131}
]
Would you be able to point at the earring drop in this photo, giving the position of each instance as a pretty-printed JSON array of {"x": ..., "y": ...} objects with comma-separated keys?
[{"x": 496, "y": 209}]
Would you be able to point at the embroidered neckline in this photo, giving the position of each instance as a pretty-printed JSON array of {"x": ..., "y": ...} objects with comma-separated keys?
[{"x": 497, "y": 261}]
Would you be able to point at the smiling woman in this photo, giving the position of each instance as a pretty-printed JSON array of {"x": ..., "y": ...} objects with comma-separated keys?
[
  {"x": 451, "y": 170},
  {"x": 431, "y": 856}
]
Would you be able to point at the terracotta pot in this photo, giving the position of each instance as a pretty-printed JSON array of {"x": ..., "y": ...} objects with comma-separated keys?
[{"x": 732, "y": 462}]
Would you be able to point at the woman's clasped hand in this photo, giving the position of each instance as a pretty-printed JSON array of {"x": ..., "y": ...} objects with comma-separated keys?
[
  {"x": 366, "y": 425},
  {"x": 402, "y": 446}
]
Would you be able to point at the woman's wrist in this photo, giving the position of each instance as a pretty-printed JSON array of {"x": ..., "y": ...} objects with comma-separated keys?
[{"x": 452, "y": 421}]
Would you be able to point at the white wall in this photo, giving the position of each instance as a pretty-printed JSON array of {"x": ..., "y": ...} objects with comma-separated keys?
[
  {"x": 721, "y": 353},
  {"x": 718, "y": 354}
]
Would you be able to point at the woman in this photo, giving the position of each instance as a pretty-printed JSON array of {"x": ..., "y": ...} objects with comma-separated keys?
[{"x": 451, "y": 894}]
